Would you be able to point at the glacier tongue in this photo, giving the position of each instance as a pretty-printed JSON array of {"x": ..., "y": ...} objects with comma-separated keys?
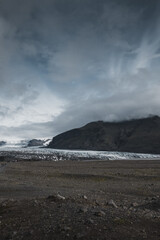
[{"x": 56, "y": 155}]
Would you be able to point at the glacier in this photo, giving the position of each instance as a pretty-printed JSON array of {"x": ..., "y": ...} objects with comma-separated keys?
[{"x": 20, "y": 152}]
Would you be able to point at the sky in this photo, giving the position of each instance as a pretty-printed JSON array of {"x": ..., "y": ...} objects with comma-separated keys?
[{"x": 64, "y": 63}]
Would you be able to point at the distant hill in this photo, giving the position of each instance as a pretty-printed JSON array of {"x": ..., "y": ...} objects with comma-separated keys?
[
  {"x": 2, "y": 143},
  {"x": 35, "y": 143},
  {"x": 141, "y": 136},
  {"x": 38, "y": 142}
]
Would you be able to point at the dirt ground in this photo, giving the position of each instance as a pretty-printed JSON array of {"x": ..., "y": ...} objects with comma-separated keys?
[{"x": 80, "y": 200}]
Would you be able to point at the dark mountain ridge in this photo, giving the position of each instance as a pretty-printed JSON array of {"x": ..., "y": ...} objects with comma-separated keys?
[{"x": 137, "y": 135}]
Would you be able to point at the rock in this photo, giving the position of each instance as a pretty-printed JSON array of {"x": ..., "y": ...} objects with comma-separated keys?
[
  {"x": 124, "y": 207},
  {"x": 154, "y": 199},
  {"x": 65, "y": 228},
  {"x": 14, "y": 233},
  {"x": 149, "y": 215},
  {"x": 84, "y": 197},
  {"x": 134, "y": 204},
  {"x": 55, "y": 198},
  {"x": 153, "y": 205},
  {"x": 97, "y": 203},
  {"x": 35, "y": 201},
  {"x": 80, "y": 235},
  {"x": 51, "y": 198},
  {"x": 100, "y": 214},
  {"x": 90, "y": 221},
  {"x": 83, "y": 209},
  {"x": 60, "y": 197},
  {"x": 112, "y": 203}
]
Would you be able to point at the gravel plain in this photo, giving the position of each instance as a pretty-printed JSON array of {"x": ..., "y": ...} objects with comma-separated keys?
[{"x": 80, "y": 199}]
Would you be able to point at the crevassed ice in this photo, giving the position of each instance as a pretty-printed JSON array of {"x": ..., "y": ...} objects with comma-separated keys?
[{"x": 73, "y": 154}]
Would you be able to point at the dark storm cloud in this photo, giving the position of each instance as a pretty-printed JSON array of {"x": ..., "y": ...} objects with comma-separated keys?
[{"x": 65, "y": 63}]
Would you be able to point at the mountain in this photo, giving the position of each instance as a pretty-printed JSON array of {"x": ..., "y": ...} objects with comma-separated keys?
[
  {"x": 138, "y": 135},
  {"x": 38, "y": 142},
  {"x": 35, "y": 142},
  {"x": 2, "y": 143}
]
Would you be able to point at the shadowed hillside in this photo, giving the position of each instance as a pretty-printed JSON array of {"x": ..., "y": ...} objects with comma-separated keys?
[{"x": 141, "y": 135}]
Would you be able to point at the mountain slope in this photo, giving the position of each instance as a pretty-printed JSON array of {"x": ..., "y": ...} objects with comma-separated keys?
[{"x": 141, "y": 136}]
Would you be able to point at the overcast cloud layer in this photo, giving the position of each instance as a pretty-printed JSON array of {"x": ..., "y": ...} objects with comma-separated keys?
[{"x": 64, "y": 63}]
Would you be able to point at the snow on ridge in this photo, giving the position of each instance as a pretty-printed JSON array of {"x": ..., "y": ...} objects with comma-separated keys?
[
  {"x": 14, "y": 143},
  {"x": 47, "y": 142},
  {"x": 20, "y": 143}
]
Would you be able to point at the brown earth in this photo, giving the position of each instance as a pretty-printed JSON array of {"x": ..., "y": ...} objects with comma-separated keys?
[{"x": 32, "y": 204}]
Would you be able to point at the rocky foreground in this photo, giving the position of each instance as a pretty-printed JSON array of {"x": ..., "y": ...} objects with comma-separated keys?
[{"x": 80, "y": 200}]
